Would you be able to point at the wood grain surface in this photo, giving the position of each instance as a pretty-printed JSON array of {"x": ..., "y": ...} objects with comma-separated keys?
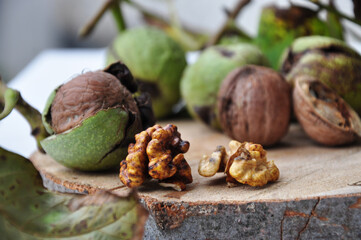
[{"x": 306, "y": 170}]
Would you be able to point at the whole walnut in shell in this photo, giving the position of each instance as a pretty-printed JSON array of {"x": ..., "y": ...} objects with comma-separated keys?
[
  {"x": 93, "y": 117},
  {"x": 254, "y": 105}
]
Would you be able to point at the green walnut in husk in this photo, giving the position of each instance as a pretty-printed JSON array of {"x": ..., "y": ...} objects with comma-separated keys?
[
  {"x": 328, "y": 60},
  {"x": 156, "y": 62},
  {"x": 278, "y": 27},
  {"x": 93, "y": 118},
  {"x": 201, "y": 81}
]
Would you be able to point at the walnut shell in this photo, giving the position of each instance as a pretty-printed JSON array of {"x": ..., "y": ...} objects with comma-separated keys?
[
  {"x": 323, "y": 114},
  {"x": 84, "y": 96},
  {"x": 254, "y": 105}
]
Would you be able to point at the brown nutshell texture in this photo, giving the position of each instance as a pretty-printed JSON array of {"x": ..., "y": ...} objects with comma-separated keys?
[
  {"x": 254, "y": 105},
  {"x": 84, "y": 96},
  {"x": 323, "y": 114}
]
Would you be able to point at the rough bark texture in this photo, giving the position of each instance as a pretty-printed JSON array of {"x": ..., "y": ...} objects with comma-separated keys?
[{"x": 317, "y": 218}]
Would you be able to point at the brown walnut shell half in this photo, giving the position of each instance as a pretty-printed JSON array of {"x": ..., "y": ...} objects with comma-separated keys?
[
  {"x": 323, "y": 114},
  {"x": 254, "y": 105}
]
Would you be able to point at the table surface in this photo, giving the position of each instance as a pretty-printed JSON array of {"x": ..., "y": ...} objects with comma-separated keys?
[{"x": 307, "y": 170}]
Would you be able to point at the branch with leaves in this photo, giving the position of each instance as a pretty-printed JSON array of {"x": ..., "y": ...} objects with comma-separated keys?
[
  {"x": 334, "y": 10},
  {"x": 114, "y": 7},
  {"x": 231, "y": 16},
  {"x": 11, "y": 99}
]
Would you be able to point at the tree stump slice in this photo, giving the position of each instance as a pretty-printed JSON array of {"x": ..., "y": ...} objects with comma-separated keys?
[{"x": 318, "y": 194}]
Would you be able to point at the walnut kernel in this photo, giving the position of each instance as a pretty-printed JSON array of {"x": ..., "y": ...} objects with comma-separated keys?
[
  {"x": 158, "y": 154},
  {"x": 245, "y": 163}
]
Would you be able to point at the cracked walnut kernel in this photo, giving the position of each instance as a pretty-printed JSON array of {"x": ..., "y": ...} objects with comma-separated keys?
[
  {"x": 157, "y": 153},
  {"x": 246, "y": 163}
]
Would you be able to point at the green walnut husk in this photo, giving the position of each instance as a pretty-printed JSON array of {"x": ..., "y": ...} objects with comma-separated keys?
[
  {"x": 328, "y": 60},
  {"x": 91, "y": 131},
  {"x": 278, "y": 27},
  {"x": 89, "y": 147},
  {"x": 156, "y": 62},
  {"x": 201, "y": 81}
]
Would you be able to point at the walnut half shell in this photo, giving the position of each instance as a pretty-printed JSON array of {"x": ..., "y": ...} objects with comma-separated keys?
[{"x": 323, "y": 114}]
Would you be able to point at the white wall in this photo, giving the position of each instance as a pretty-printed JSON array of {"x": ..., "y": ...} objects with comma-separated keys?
[{"x": 29, "y": 26}]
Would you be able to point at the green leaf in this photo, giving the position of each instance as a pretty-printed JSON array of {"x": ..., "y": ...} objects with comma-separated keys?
[
  {"x": 29, "y": 211},
  {"x": 278, "y": 27}
]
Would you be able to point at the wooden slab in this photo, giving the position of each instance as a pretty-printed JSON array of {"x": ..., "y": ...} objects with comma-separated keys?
[{"x": 309, "y": 173}]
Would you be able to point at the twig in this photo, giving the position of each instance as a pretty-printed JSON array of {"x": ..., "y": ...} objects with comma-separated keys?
[
  {"x": 2, "y": 92},
  {"x": 231, "y": 17},
  {"x": 117, "y": 14},
  {"x": 336, "y": 12},
  {"x": 32, "y": 115}
]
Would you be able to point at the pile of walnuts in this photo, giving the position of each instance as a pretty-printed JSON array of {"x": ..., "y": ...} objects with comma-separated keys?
[
  {"x": 245, "y": 163},
  {"x": 158, "y": 154}
]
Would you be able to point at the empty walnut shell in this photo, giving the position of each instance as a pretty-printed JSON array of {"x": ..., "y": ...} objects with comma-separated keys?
[
  {"x": 323, "y": 114},
  {"x": 254, "y": 105}
]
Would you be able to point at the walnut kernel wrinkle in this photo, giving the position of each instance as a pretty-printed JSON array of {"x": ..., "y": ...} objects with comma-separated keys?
[
  {"x": 133, "y": 169},
  {"x": 157, "y": 153},
  {"x": 249, "y": 167},
  {"x": 246, "y": 163}
]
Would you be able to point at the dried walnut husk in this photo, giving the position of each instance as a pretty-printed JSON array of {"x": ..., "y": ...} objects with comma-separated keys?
[
  {"x": 328, "y": 60},
  {"x": 323, "y": 114}
]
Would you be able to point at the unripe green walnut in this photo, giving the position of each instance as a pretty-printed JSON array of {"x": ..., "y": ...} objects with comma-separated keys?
[
  {"x": 201, "y": 81},
  {"x": 93, "y": 118},
  {"x": 328, "y": 60},
  {"x": 279, "y": 26},
  {"x": 156, "y": 62}
]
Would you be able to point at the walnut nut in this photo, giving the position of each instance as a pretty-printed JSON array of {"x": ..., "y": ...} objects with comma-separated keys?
[
  {"x": 93, "y": 117},
  {"x": 254, "y": 104}
]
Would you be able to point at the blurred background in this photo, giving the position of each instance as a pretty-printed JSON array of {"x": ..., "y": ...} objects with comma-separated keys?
[{"x": 28, "y": 27}]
